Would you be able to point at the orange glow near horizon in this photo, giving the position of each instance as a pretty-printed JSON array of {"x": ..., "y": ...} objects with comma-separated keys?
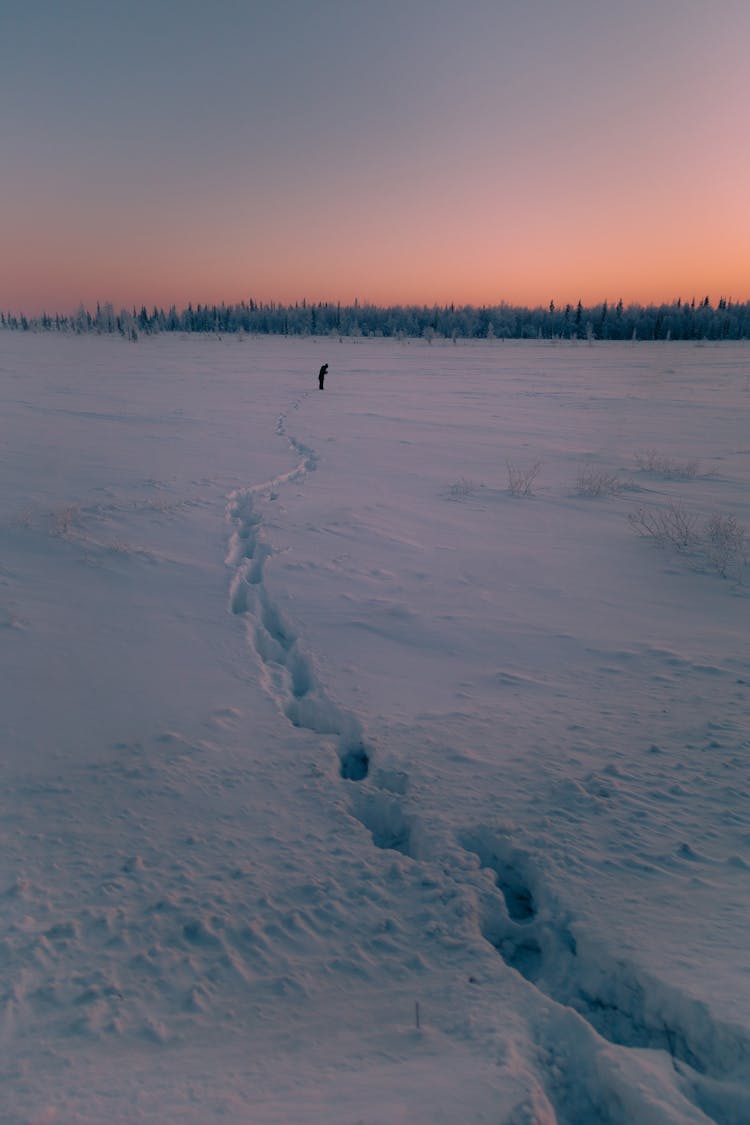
[
  {"x": 523, "y": 236},
  {"x": 529, "y": 263}
]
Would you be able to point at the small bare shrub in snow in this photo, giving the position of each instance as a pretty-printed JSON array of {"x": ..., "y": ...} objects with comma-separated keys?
[
  {"x": 652, "y": 462},
  {"x": 461, "y": 488},
  {"x": 64, "y": 520},
  {"x": 596, "y": 482},
  {"x": 725, "y": 545},
  {"x": 119, "y": 547},
  {"x": 671, "y": 525},
  {"x": 521, "y": 480},
  {"x": 719, "y": 541}
]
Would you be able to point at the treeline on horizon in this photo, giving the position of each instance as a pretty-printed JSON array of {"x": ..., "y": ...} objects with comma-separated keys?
[{"x": 680, "y": 320}]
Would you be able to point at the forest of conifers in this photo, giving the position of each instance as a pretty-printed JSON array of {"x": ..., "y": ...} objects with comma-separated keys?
[{"x": 680, "y": 320}]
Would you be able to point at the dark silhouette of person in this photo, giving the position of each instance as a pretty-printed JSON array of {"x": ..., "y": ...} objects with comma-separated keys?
[{"x": 322, "y": 375}]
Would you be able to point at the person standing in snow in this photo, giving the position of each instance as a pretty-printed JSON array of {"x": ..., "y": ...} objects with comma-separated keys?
[{"x": 322, "y": 375}]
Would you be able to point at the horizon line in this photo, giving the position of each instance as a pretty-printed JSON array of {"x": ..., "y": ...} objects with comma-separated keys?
[{"x": 356, "y": 302}]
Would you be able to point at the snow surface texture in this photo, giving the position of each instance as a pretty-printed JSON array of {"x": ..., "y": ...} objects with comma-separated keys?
[{"x": 345, "y": 782}]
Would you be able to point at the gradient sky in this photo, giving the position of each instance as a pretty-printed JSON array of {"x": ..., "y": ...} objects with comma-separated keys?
[{"x": 166, "y": 151}]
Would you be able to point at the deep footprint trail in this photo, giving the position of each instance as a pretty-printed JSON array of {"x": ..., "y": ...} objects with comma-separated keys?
[
  {"x": 518, "y": 919},
  {"x": 287, "y": 671},
  {"x": 618, "y": 1003}
]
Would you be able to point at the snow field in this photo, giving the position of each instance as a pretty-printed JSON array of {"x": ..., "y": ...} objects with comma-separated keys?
[{"x": 392, "y": 740}]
